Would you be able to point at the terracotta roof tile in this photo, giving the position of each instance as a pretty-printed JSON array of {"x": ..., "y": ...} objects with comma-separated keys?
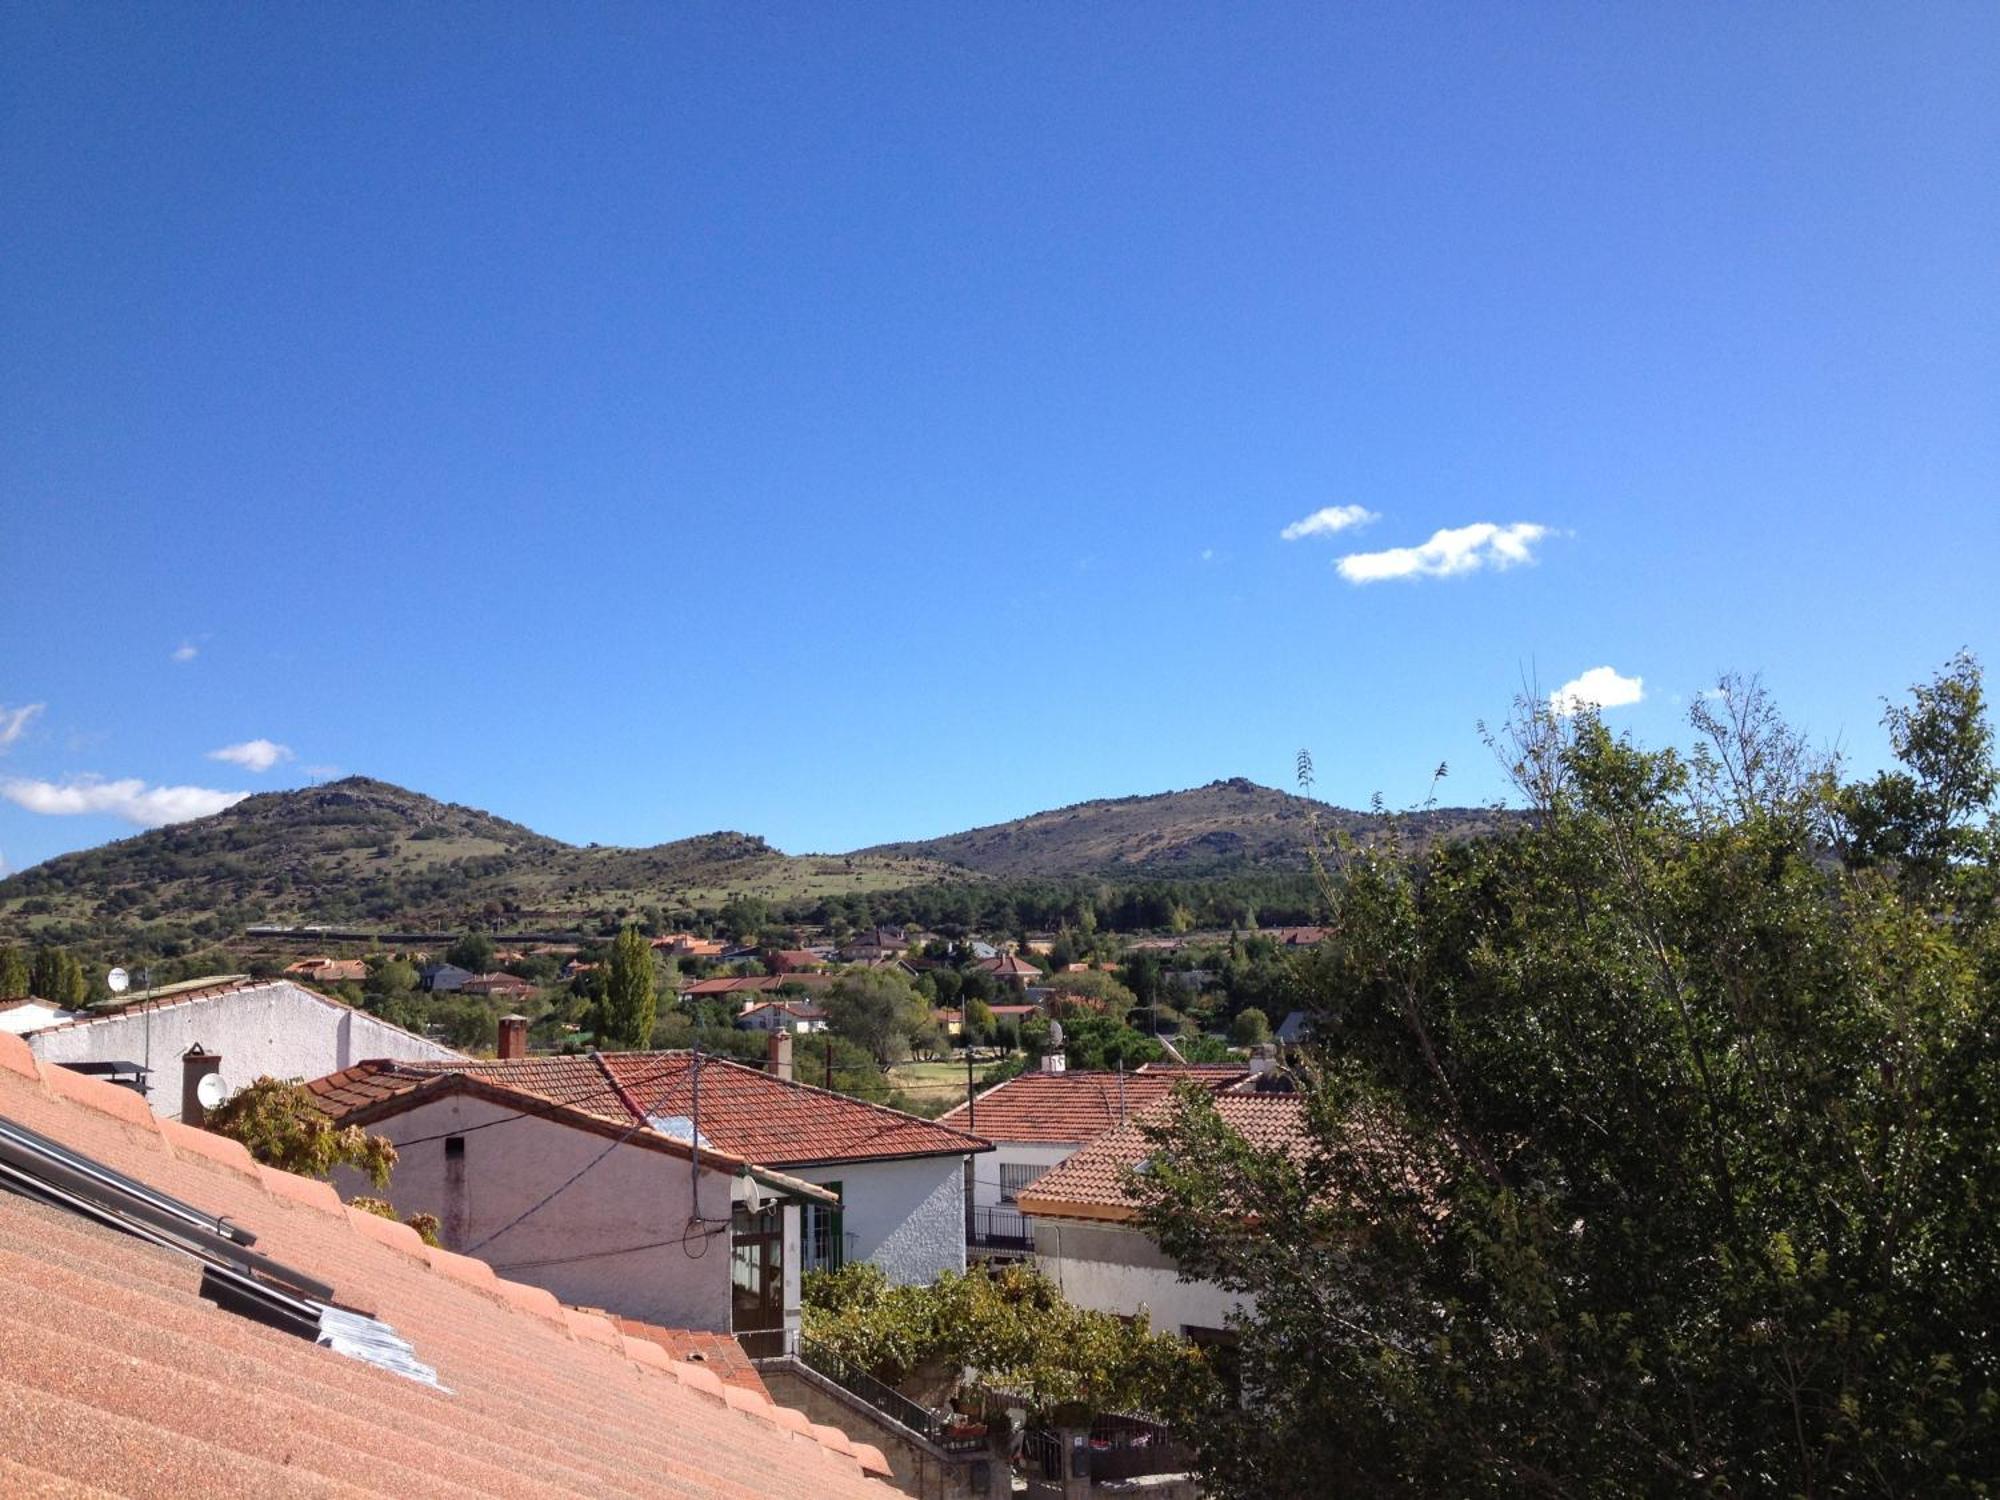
[
  {"x": 116, "y": 1378},
  {"x": 745, "y": 1112},
  {"x": 1090, "y": 1183},
  {"x": 1068, "y": 1108}
]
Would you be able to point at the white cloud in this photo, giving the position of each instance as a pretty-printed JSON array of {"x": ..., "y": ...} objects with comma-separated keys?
[
  {"x": 253, "y": 755},
  {"x": 1600, "y": 687},
  {"x": 1456, "y": 549},
  {"x": 14, "y": 722},
  {"x": 186, "y": 651},
  {"x": 130, "y": 799},
  {"x": 1327, "y": 521}
]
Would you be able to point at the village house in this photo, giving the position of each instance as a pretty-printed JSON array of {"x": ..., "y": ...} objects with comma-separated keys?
[
  {"x": 443, "y": 979},
  {"x": 1035, "y": 1122},
  {"x": 874, "y": 1183},
  {"x": 29, "y": 1014},
  {"x": 240, "y": 1028},
  {"x": 1088, "y": 1240},
  {"x": 738, "y": 985},
  {"x": 330, "y": 970},
  {"x": 876, "y": 943},
  {"x": 1012, "y": 969},
  {"x": 183, "y": 1321},
  {"x": 794, "y": 961},
  {"x": 800, "y": 1017},
  {"x": 506, "y": 986}
]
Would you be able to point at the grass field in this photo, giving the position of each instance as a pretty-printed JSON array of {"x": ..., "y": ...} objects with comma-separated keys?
[{"x": 940, "y": 1084}]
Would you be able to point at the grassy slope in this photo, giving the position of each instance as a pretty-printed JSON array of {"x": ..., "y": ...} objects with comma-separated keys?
[{"x": 1218, "y": 829}]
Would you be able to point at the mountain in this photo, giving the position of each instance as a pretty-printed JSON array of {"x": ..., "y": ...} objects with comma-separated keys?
[
  {"x": 1223, "y": 828},
  {"x": 364, "y": 853}
]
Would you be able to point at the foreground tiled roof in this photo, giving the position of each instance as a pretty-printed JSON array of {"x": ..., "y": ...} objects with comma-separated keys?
[
  {"x": 745, "y": 1112},
  {"x": 116, "y": 1378},
  {"x": 1068, "y": 1108},
  {"x": 1088, "y": 1185}
]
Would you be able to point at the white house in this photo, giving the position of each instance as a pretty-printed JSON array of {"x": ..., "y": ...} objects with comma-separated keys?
[
  {"x": 29, "y": 1014},
  {"x": 894, "y": 1183},
  {"x": 1037, "y": 1121},
  {"x": 798, "y": 1016},
  {"x": 254, "y": 1026},
  {"x": 1088, "y": 1240},
  {"x": 625, "y": 1216}
]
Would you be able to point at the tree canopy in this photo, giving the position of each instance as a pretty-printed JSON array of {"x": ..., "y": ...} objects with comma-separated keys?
[{"x": 1652, "y": 1146}]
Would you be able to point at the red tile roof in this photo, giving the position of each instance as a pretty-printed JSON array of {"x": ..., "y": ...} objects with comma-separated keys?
[
  {"x": 116, "y": 1378},
  {"x": 1066, "y": 1108},
  {"x": 755, "y": 983},
  {"x": 1089, "y": 1184},
  {"x": 719, "y": 1352},
  {"x": 747, "y": 1113},
  {"x": 1007, "y": 966}
]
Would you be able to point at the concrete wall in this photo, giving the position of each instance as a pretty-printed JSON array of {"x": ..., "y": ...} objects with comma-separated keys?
[
  {"x": 278, "y": 1029},
  {"x": 1118, "y": 1269},
  {"x": 908, "y": 1217},
  {"x": 618, "y": 1238},
  {"x": 986, "y": 1168}
]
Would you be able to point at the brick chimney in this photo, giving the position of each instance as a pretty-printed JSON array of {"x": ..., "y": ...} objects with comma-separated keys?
[
  {"x": 780, "y": 1065},
  {"x": 513, "y": 1037},
  {"x": 196, "y": 1064}
]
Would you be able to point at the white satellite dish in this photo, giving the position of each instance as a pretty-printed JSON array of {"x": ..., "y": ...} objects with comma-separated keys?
[
  {"x": 753, "y": 1196},
  {"x": 211, "y": 1091},
  {"x": 118, "y": 981}
]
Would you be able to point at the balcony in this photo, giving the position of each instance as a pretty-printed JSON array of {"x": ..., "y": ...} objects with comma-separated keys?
[{"x": 998, "y": 1231}]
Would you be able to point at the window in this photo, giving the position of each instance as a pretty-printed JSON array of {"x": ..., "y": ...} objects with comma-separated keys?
[
  {"x": 1015, "y": 1175},
  {"x": 825, "y": 1237},
  {"x": 454, "y": 1146}
]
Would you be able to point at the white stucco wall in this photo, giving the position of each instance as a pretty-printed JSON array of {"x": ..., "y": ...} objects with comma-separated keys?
[
  {"x": 908, "y": 1217},
  {"x": 626, "y": 1217},
  {"x": 986, "y": 1168},
  {"x": 277, "y": 1029},
  {"x": 1117, "y": 1269}
]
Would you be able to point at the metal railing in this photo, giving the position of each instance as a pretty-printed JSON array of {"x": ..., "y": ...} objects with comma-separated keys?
[
  {"x": 941, "y": 1428},
  {"x": 999, "y": 1229},
  {"x": 1119, "y": 1447}
]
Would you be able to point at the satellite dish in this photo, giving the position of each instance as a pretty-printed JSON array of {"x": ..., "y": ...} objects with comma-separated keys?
[
  {"x": 753, "y": 1197},
  {"x": 118, "y": 981},
  {"x": 211, "y": 1091}
]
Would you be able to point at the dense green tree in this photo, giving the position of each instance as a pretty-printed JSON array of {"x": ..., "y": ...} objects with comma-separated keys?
[
  {"x": 474, "y": 951},
  {"x": 626, "y": 1011},
  {"x": 1013, "y": 1331},
  {"x": 977, "y": 1023},
  {"x": 282, "y": 1126},
  {"x": 389, "y": 979},
  {"x": 878, "y": 1010},
  {"x": 744, "y": 917},
  {"x": 1250, "y": 1027},
  {"x": 1650, "y": 1150},
  {"x": 13, "y": 974},
  {"x": 57, "y": 975}
]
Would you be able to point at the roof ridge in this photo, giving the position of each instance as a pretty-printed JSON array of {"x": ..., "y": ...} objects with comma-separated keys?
[
  {"x": 901, "y": 1115},
  {"x": 625, "y": 1098}
]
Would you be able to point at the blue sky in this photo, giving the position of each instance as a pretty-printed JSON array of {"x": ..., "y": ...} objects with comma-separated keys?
[{"x": 849, "y": 423}]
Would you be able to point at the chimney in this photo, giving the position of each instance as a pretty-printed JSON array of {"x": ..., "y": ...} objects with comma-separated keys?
[
  {"x": 781, "y": 1055},
  {"x": 196, "y": 1065},
  {"x": 513, "y": 1037},
  {"x": 1263, "y": 1058}
]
